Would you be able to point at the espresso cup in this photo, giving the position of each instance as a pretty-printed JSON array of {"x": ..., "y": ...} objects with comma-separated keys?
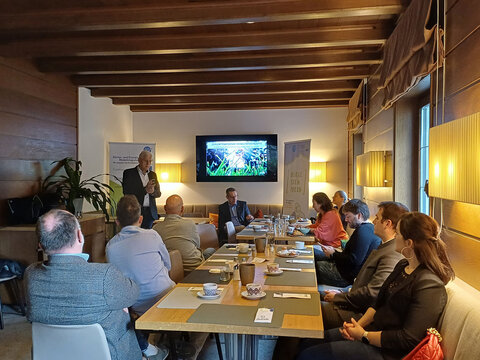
[
  {"x": 260, "y": 244},
  {"x": 299, "y": 245},
  {"x": 243, "y": 248},
  {"x": 210, "y": 289},
  {"x": 273, "y": 267},
  {"x": 254, "y": 289},
  {"x": 247, "y": 273}
]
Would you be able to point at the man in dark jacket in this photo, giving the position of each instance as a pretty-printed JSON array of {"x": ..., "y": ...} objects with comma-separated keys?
[
  {"x": 340, "y": 306},
  {"x": 342, "y": 267},
  {"x": 143, "y": 183},
  {"x": 232, "y": 210}
]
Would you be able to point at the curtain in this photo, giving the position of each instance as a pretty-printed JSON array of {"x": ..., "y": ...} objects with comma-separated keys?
[
  {"x": 410, "y": 52},
  {"x": 355, "y": 109}
]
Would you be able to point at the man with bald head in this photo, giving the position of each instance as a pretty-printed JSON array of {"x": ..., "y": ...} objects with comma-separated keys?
[
  {"x": 181, "y": 234},
  {"x": 68, "y": 290},
  {"x": 143, "y": 183}
]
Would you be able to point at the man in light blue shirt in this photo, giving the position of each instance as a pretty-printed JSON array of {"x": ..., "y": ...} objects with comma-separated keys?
[{"x": 141, "y": 255}]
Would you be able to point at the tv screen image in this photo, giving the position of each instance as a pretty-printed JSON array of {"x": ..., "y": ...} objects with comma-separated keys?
[{"x": 236, "y": 158}]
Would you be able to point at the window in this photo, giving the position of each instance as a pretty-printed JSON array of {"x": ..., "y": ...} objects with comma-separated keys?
[{"x": 424, "y": 204}]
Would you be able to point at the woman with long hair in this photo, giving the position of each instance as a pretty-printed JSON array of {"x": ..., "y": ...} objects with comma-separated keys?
[
  {"x": 328, "y": 228},
  {"x": 410, "y": 301}
]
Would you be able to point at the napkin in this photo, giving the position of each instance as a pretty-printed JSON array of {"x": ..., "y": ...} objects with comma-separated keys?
[
  {"x": 258, "y": 260},
  {"x": 291, "y": 295},
  {"x": 264, "y": 315},
  {"x": 290, "y": 269},
  {"x": 295, "y": 261},
  {"x": 217, "y": 260}
]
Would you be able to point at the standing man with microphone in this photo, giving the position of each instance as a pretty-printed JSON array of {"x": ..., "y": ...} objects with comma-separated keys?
[{"x": 142, "y": 182}]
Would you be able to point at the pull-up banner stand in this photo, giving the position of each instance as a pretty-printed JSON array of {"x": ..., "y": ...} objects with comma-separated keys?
[{"x": 296, "y": 178}]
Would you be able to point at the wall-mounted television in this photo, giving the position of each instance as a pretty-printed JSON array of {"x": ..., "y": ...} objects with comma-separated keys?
[{"x": 237, "y": 158}]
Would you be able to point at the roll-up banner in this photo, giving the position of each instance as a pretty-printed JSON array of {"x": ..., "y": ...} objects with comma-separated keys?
[
  {"x": 125, "y": 156},
  {"x": 296, "y": 178}
]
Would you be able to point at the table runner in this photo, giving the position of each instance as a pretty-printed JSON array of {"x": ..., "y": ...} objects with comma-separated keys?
[
  {"x": 202, "y": 277},
  {"x": 182, "y": 298},
  {"x": 292, "y": 306},
  {"x": 232, "y": 315},
  {"x": 292, "y": 278}
]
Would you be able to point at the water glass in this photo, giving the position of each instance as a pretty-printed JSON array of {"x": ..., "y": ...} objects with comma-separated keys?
[{"x": 225, "y": 273}]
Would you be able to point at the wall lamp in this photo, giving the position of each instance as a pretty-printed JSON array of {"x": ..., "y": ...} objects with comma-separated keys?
[
  {"x": 374, "y": 169},
  {"x": 318, "y": 172},
  {"x": 169, "y": 173}
]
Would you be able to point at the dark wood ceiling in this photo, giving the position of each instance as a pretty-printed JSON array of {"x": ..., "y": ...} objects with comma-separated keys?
[{"x": 173, "y": 55}]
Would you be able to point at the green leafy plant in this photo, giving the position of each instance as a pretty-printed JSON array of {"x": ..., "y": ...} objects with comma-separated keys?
[{"x": 69, "y": 186}]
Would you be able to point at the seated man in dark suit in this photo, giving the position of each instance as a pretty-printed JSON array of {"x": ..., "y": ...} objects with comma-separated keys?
[
  {"x": 143, "y": 183},
  {"x": 232, "y": 210},
  {"x": 68, "y": 290},
  {"x": 340, "y": 306},
  {"x": 341, "y": 268}
]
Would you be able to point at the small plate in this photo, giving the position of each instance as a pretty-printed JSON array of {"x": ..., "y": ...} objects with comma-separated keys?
[
  {"x": 279, "y": 272},
  {"x": 287, "y": 255},
  {"x": 253, "y": 297},
  {"x": 202, "y": 295}
]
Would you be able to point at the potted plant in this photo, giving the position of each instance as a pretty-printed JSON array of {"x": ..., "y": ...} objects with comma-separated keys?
[{"x": 73, "y": 190}]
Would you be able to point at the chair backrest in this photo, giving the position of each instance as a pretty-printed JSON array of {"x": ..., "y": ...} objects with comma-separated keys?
[
  {"x": 73, "y": 342},
  {"x": 176, "y": 273},
  {"x": 208, "y": 236},
  {"x": 232, "y": 238}
]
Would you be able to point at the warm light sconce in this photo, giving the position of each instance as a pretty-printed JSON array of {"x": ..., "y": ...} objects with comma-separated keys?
[
  {"x": 454, "y": 160},
  {"x": 318, "y": 171},
  {"x": 169, "y": 173},
  {"x": 374, "y": 169}
]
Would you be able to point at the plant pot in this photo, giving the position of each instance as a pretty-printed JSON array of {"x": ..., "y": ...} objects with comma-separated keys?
[{"x": 78, "y": 205}]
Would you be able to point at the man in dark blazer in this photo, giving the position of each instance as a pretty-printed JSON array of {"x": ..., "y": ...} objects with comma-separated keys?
[
  {"x": 232, "y": 210},
  {"x": 340, "y": 306},
  {"x": 68, "y": 290},
  {"x": 143, "y": 183}
]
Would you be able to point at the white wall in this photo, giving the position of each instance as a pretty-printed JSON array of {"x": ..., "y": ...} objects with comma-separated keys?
[
  {"x": 99, "y": 122},
  {"x": 174, "y": 133}
]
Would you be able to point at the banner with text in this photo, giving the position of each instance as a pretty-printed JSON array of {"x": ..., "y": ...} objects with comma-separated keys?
[
  {"x": 125, "y": 156},
  {"x": 296, "y": 178}
]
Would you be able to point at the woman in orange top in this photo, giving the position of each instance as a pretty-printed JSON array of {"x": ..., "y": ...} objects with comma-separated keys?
[{"x": 328, "y": 229}]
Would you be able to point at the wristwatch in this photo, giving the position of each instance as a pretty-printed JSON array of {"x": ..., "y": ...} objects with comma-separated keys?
[{"x": 365, "y": 338}]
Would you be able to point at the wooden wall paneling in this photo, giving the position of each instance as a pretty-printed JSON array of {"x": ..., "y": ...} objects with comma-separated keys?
[
  {"x": 463, "y": 103},
  {"x": 25, "y": 148},
  {"x": 464, "y": 254},
  {"x": 462, "y": 20},
  {"x": 24, "y": 170},
  {"x": 463, "y": 67},
  {"x": 24, "y": 126},
  {"x": 406, "y": 153},
  {"x": 21, "y": 76}
]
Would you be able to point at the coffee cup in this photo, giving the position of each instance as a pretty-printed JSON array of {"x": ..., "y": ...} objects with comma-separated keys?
[
  {"x": 243, "y": 248},
  {"x": 273, "y": 267},
  {"x": 247, "y": 273},
  {"x": 299, "y": 245},
  {"x": 210, "y": 289},
  {"x": 254, "y": 289}
]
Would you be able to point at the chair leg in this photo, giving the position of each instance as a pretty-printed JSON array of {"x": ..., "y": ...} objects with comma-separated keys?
[
  {"x": 18, "y": 295},
  {"x": 219, "y": 346},
  {"x": 1, "y": 315}
]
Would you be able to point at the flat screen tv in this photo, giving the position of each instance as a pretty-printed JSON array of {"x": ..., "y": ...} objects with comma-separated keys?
[{"x": 236, "y": 158}]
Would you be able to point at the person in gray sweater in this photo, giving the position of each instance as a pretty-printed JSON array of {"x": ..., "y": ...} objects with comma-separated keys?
[
  {"x": 341, "y": 305},
  {"x": 68, "y": 290}
]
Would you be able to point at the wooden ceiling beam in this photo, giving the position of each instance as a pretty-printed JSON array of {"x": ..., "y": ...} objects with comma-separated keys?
[
  {"x": 224, "y": 77},
  {"x": 155, "y": 63},
  {"x": 250, "y": 106},
  {"x": 244, "y": 89},
  {"x": 197, "y": 43},
  {"x": 218, "y": 99},
  {"x": 193, "y": 14}
]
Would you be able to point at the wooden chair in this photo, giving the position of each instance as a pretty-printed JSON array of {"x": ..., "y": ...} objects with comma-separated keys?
[
  {"x": 208, "y": 236},
  {"x": 176, "y": 273}
]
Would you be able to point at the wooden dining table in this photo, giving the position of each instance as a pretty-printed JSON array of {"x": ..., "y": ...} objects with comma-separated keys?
[
  {"x": 232, "y": 314},
  {"x": 249, "y": 233}
]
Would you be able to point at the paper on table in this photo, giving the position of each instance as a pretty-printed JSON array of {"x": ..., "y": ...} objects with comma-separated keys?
[
  {"x": 290, "y": 269},
  {"x": 303, "y": 251},
  {"x": 258, "y": 260},
  {"x": 292, "y": 295},
  {"x": 299, "y": 261},
  {"x": 236, "y": 254},
  {"x": 264, "y": 315},
  {"x": 217, "y": 260}
]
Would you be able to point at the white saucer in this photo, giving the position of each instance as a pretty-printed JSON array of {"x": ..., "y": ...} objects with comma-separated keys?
[
  {"x": 202, "y": 295},
  {"x": 274, "y": 273},
  {"x": 253, "y": 297}
]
